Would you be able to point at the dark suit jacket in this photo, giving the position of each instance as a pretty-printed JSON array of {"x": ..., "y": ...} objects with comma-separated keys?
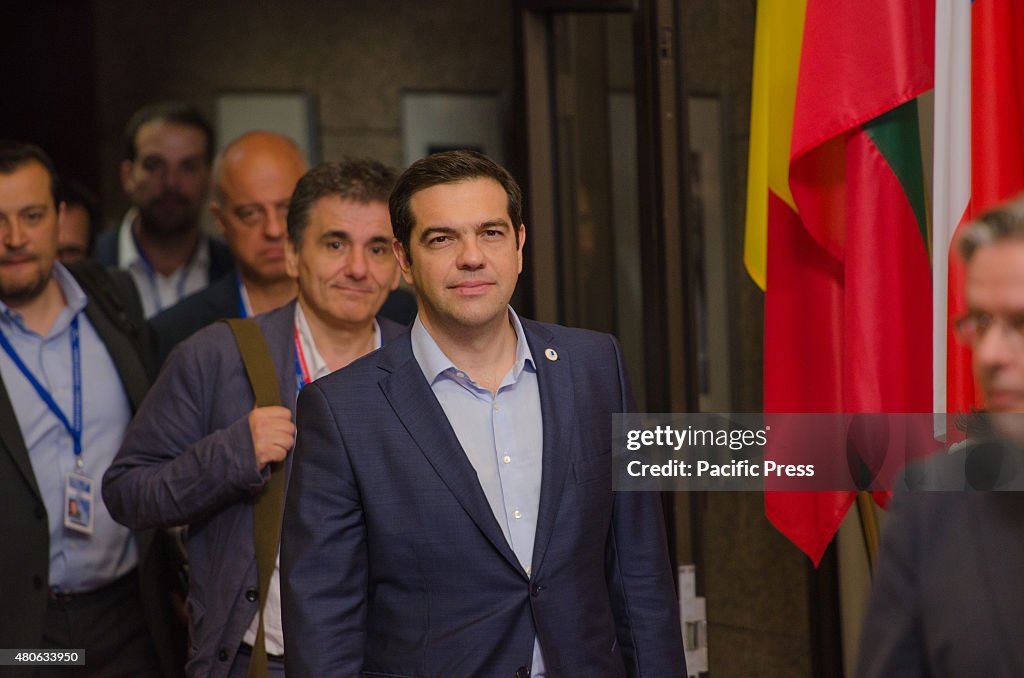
[
  {"x": 392, "y": 561},
  {"x": 104, "y": 252},
  {"x": 24, "y": 528},
  {"x": 221, "y": 300},
  {"x": 948, "y": 591},
  {"x": 188, "y": 459}
]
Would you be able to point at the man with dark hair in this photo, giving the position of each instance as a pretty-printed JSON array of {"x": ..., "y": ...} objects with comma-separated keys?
[
  {"x": 198, "y": 452},
  {"x": 450, "y": 511},
  {"x": 947, "y": 591},
  {"x": 76, "y": 229},
  {"x": 71, "y": 374},
  {"x": 166, "y": 175}
]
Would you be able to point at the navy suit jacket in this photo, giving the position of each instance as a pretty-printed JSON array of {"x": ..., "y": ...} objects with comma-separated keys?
[
  {"x": 392, "y": 561},
  {"x": 948, "y": 590},
  {"x": 188, "y": 459}
]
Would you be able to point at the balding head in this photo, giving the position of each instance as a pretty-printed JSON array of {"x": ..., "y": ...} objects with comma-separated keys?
[
  {"x": 255, "y": 155},
  {"x": 254, "y": 177}
]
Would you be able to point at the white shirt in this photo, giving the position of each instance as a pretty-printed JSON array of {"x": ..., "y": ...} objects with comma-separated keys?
[{"x": 156, "y": 290}]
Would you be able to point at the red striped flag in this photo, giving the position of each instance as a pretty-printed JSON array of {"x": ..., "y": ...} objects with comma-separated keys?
[{"x": 979, "y": 156}]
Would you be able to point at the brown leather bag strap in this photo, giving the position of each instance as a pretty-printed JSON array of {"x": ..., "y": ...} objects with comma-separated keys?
[{"x": 268, "y": 506}]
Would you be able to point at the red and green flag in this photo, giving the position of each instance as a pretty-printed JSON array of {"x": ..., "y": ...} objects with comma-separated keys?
[{"x": 837, "y": 223}]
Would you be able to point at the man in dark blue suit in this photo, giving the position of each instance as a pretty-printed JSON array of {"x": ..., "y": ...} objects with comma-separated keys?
[
  {"x": 947, "y": 591},
  {"x": 450, "y": 510}
]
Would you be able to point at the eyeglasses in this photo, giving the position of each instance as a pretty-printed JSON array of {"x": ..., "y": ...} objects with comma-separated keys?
[{"x": 971, "y": 328}]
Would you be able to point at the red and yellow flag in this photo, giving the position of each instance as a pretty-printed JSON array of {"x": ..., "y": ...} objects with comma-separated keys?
[{"x": 837, "y": 227}]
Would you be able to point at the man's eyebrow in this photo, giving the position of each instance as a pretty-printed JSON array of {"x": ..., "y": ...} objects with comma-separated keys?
[
  {"x": 435, "y": 230},
  {"x": 493, "y": 223},
  {"x": 335, "y": 233}
]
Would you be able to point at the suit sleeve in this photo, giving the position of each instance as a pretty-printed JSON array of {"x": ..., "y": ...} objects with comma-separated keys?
[
  {"x": 171, "y": 468},
  {"x": 323, "y": 550},
  {"x": 891, "y": 639},
  {"x": 640, "y": 576}
]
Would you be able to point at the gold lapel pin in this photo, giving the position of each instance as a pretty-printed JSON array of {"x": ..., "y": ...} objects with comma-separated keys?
[{"x": 551, "y": 354}]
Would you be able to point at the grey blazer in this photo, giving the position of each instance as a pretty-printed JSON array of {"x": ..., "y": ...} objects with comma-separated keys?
[
  {"x": 948, "y": 591},
  {"x": 187, "y": 459}
]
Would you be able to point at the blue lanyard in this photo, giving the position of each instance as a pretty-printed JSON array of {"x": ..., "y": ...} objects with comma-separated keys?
[
  {"x": 74, "y": 430},
  {"x": 147, "y": 267}
]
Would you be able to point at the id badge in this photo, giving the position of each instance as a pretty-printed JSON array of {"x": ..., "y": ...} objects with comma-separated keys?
[{"x": 78, "y": 504}]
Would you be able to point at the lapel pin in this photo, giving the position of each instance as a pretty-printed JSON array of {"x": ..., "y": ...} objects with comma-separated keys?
[{"x": 551, "y": 354}]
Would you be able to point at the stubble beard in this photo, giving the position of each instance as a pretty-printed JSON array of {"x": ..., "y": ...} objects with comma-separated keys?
[
  {"x": 156, "y": 224},
  {"x": 21, "y": 294}
]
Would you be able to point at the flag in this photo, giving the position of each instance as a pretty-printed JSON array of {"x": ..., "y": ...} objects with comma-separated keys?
[
  {"x": 979, "y": 158},
  {"x": 837, "y": 226}
]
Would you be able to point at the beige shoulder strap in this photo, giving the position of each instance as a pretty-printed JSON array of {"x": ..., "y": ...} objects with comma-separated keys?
[{"x": 269, "y": 504}]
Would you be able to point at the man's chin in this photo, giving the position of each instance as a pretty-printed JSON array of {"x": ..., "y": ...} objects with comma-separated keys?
[
  {"x": 1008, "y": 425},
  {"x": 20, "y": 294},
  {"x": 158, "y": 223}
]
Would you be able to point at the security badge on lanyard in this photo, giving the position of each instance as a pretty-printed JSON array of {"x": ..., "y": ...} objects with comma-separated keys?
[{"x": 78, "y": 488}]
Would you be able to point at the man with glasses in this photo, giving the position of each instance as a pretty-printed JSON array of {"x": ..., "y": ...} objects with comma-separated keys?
[{"x": 948, "y": 590}]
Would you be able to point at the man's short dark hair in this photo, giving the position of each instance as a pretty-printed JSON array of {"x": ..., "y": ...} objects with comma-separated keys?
[
  {"x": 999, "y": 224},
  {"x": 15, "y": 154},
  {"x": 361, "y": 180},
  {"x": 449, "y": 167},
  {"x": 177, "y": 112}
]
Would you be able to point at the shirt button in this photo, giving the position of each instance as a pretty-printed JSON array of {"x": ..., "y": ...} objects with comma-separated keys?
[
  {"x": 495, "y": 406},
  {"x": 517, "y": 514},
  {"x": 460, "y": 375},
  {"x": 506, "y": 459}
]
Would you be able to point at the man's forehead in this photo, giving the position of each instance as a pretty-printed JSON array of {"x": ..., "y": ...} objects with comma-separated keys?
[
  {"x": 470, "y": 202},
  {"x": 29, "y": 183},
  {"x": 337, "y": 213},
  {"x": 996, "y": 268},
  {"x": 163, "y": 136},
  {"x": 268, "y": 180}
]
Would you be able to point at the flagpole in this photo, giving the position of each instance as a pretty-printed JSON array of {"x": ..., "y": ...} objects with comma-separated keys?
[{"x": 869, "y": 526}]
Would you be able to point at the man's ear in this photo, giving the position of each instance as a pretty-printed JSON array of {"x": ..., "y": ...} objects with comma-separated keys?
[
  {"x": 522, "y": 244},
  {"x": 127, "y": 180},
  {"x": 291, "y": 259},
  {"x": 403, "y": 261},
  {"x": 218, "y": 216}
]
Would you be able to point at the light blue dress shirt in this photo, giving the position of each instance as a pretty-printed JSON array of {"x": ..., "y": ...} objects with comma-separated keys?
[
  {"x": 78, "y": 562},
  {"x": 501, "y": 434}
]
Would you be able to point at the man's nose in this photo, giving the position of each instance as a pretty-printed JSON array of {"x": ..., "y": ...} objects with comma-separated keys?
[
  {"x": 470, "y": 256},
  {"x": 14, "y": 234},
  {"x": 998, "y": 344},
  {"x": 355, "y": 263},
  {"x": 276, "y": 225}
]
